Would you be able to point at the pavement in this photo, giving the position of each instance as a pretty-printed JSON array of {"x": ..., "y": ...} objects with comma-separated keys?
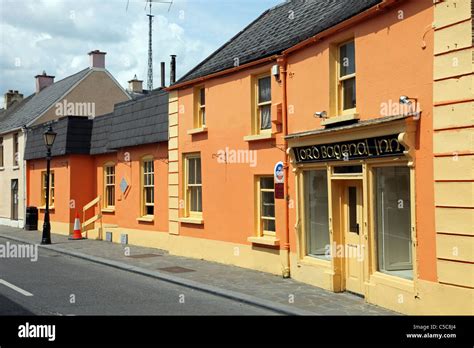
[{"x": 270, "y": 293}]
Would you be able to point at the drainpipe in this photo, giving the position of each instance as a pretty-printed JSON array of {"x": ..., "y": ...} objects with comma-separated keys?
[
  {"x": 24, "y": 130},
  {"x": 286, "y": 241}
]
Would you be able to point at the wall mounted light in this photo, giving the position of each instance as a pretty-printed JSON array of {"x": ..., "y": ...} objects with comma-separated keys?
[{"x": 321, "y": 114}]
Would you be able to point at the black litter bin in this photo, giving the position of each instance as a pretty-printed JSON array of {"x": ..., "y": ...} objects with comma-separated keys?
[{"x": 31, "y": 219}]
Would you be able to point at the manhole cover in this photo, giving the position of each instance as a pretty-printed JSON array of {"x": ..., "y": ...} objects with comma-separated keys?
[
  {"x": 143, "y": 256},
  {"x": 176, "y": 269}
]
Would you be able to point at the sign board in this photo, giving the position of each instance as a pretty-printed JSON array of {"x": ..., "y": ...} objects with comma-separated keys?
[
  {"x": 279, "y": 191},
  {"x": 384, "y": 146},
  {"x": 279, "y": 173}
]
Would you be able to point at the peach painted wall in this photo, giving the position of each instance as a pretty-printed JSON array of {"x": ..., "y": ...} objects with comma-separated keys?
[
  {"x": 391, "y": 61},
  {"x": 393, "y": 58},
  {"x": 228, "y": 189},
  {"x": 127, "y": 206}
]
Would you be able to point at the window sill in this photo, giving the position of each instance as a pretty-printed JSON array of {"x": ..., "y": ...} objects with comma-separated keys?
[
  {"x": 192, "y": 220},
  {"x": 2, "y": 168},
  {"x": 146, "y": 219},
  {"x": 43, "y": 207},
  {"x": 16, "y": 167},
  {"x": 193, "y": 131},
  {"x": 108, "y": 210},
  {"x": 338, "y": 119},
  {"x": 272, "y": 241},
  {"x": 258, "y": 137}
]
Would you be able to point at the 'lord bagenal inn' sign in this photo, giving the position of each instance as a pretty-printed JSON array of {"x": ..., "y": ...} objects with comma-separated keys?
[{"x": 383, "y": 146}]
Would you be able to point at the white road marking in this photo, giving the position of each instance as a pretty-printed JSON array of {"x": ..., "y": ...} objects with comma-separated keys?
[{"x": 16, "y": 288}]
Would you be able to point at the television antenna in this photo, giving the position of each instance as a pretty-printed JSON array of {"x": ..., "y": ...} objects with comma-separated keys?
[{"x": 148, "y": 3}]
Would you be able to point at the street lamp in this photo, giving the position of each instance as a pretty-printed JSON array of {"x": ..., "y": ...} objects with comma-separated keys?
[{"x": 49, "y": 137}]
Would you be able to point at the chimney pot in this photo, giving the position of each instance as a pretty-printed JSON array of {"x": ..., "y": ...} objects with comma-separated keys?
[
  {"x": 43, "y": 81},
  {"x": 97, "y": 59},
  {"x": 163, "y": 77},
  {"x": 173, "y": 69}
]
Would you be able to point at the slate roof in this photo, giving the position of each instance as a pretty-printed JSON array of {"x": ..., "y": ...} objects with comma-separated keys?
[
  {"x": 36, "y": 104},
  {"x": 73, "y": 137},
  {"x": 142, "y": 121},
  {"x": 274, "y": 31},
  {"x": 101, "y": 129},
  {"x": 136, "y": 122}
]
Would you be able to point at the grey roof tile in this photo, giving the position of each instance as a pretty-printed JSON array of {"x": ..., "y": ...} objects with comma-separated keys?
[
  {"x": 36, "y": 104},
  {"x": 278, "y": 29}
]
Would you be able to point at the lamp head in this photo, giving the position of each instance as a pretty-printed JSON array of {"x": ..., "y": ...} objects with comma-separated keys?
[{"x": 49, "y": 136}]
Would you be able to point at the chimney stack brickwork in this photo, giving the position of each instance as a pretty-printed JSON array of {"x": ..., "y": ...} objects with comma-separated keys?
[
  {"x": 97, "y": 59},
  {"x": 12, "y": 97},
  {"x": 43, "y": 81}
]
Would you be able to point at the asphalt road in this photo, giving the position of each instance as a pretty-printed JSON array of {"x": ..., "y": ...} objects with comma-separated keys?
[{"x": 58, "y": 284}]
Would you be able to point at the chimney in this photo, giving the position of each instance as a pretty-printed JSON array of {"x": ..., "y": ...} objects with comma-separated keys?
[
  {"x": 12, "y": 97},
  {"x": 135, "y": 85},
  {"x": 97, "y": 59},
  {"x": 163, "y": 83},
  {"x": 173, "y": 69},
  {"x": 43, "y": 81}
]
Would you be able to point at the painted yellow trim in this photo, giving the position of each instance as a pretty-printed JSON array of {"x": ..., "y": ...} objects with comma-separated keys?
[
  {"x": 191, "y": 220},
  {"x": 199, "y": 130},
  {"x": 146, "y": 218},
  {"x": 272, "y": 241},
  {"x": 339, "y": 118},
  {"x": 257, "y": 137}
]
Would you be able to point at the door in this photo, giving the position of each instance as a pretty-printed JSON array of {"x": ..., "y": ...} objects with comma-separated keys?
[
  {"x": 14, "y": 200},
  {"x": 354, "y": 254}
]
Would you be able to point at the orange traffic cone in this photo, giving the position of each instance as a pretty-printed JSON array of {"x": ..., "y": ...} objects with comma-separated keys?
[{"x": 77, "y": 235}]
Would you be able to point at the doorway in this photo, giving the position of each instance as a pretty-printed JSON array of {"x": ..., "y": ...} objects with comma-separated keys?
[
  {"x": 353, "y": 249},
  {"x": 14, "y": 199}
]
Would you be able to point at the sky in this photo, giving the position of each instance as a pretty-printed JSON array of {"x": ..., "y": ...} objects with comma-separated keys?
[{"x": 56, "y": 35}]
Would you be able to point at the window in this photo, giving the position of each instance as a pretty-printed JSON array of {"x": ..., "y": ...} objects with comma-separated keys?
[
  {"x": 317, "y": 213},
  {"x": 109, "y": 186},
  {"x": 200, "y": 119},
  {"x": 393, "y": 221},
  {"x": 148, "y": 185},
  {"x": 1, "y": 152},
  {"x": 266, "y": 202},
  {"x": 15, "y": 150},
  {"x": 347, "y": 78},
  {"x": 51, "y": 189},
  {"x": 193, "y": 186},
  {"x": 263, "y": 119}
]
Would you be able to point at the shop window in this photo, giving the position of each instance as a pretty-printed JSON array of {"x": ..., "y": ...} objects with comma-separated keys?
[
  {"x": 393, "y": 221},
  {"x": 148, "y": 187},
  {"x": 109, "y": 186},
  {"x": 317, "y": 213},
  {"x": 51, "y": 189},
  {"x": 193, "y": 186},
  {"x": 266, "y": 204},
  {"x": 200, "y": 108},
  {"x": 263, "y": 105},
  {"x": 346, "y": 78},
  {"x": 1, "y": 152}
]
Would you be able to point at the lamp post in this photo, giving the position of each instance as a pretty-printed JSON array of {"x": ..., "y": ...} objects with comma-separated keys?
[{"x": 49, "y": 137}]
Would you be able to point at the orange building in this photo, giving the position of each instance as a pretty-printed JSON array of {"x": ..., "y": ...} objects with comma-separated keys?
[
  {"x": 347, "y": 107},
  {"x": 110, "y": 169},
  {"x": 327, "y": 142}
]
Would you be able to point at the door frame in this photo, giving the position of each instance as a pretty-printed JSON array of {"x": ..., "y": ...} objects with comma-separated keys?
[{"x": 14, "y": 206}]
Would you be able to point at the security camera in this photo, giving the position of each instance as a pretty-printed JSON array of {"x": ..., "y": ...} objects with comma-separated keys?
[
  {"x": 405, "y": 100},
  {"x": 321, "y": 114}
]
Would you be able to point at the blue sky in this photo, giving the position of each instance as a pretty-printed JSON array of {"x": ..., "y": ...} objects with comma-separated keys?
[{"x": 56, "y": 35}]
